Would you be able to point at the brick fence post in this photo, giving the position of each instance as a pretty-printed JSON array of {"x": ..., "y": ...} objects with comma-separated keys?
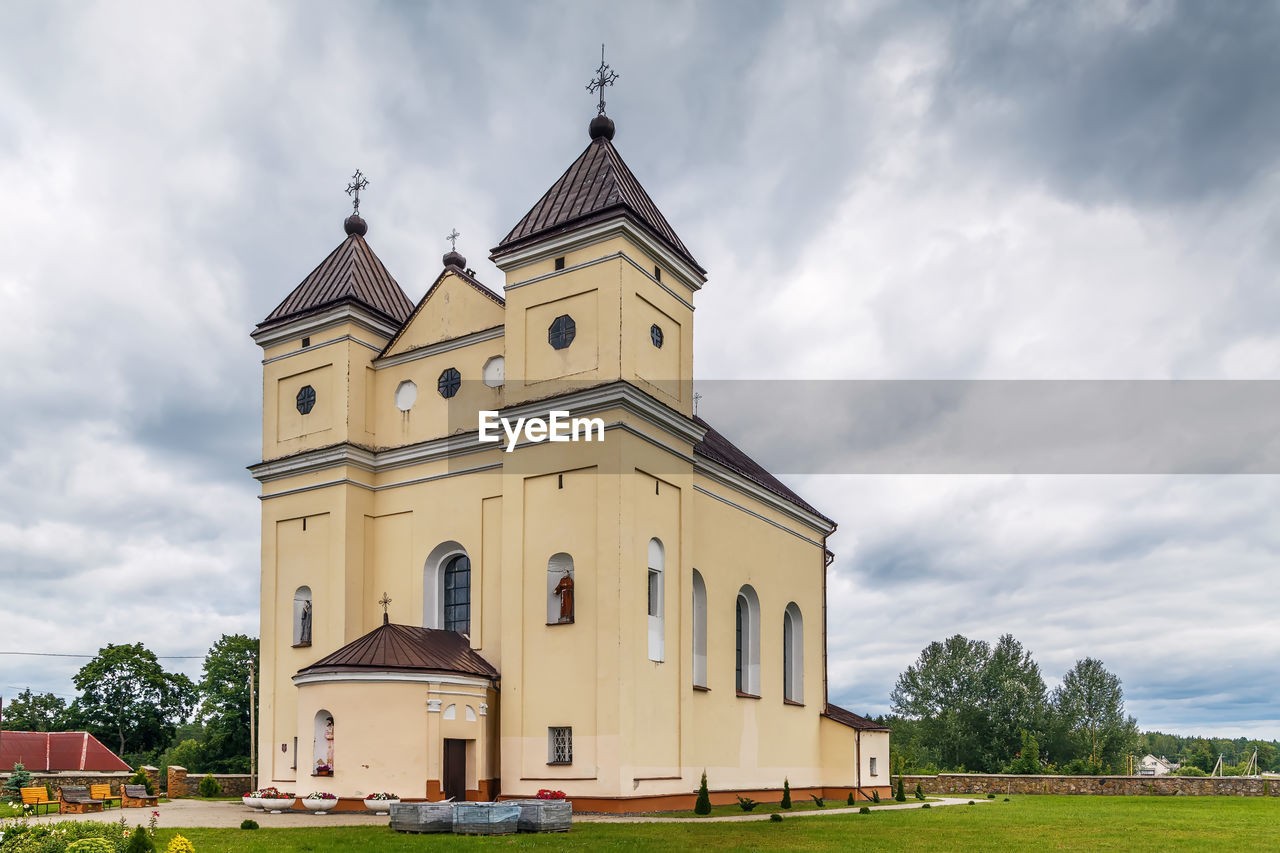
[
  {"x": 152, "y": 773},
  {"x": 177, "y": 781}
]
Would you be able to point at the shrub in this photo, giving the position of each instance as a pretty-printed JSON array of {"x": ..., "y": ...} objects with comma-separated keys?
[
  {"x": 1027, "y": 760},
  {"x": 18, "y": 779},
  {"x": 864, "y": 810},
  {"x": 919, "y": 792},
  {"x": 91, "y": 845},
  {"x": 786, "y": 793},
  {"x": 926, "y": 806},
  {"x": 140, "y": 842},
  {"x": 248, "y": 823},
  {"x": 143, "y": 779},
  {"x": 703, "y": 806},
  {"x": 775, "y": 817},
  {"x": 747, "y": 804},
  {"x": 849, "y": 801},
  {"x": 1189, "y": 771},
  {"x": 817, "y": 801},
  {"x": 179, "y": 844},
  {"x": 901, "y": 796},
  {"x": 1006, "y": 799},
  {"x": 875, "y": 796},
  {"x": 209, "y": 786},
  {"x": 972, "y": 803},
  {"x": 991, "y": 796}
]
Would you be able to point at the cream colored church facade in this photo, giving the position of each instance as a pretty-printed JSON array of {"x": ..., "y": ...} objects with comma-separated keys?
[{"x": 608, "y": 618}]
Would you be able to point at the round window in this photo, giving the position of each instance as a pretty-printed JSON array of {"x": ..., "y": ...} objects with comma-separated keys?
[
  {"x": 449, "y": 383},
  {"x": 306, "y": 399},
  {"x": 495, "y": 370},
  {"x": 562, "y": 332},
  {"x": 655, "y": 335},
  {"x": 406, "y": 395}
]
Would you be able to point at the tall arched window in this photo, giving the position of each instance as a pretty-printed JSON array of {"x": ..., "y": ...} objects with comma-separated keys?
[
  {"x": 560, "y": 599},
  {"x": 657, "y": 565},
  {"x": 747, "y": 629},
  {"x": 699, "y": 630},
  {"x": 457, "y": 594},
  {"x": 792, "y": 654},
  {"x": 322, "y": 747},
  {"x": 302, "y": 616}
]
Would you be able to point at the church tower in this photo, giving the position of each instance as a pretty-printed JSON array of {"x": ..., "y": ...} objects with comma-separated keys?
[{"x": 609, "y": 614}]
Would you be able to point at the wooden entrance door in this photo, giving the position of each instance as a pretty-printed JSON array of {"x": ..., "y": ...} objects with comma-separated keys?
[{"x": 455, "y": 769}]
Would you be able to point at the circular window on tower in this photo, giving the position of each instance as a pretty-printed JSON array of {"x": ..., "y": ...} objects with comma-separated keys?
[
  {"x": 561, "y": 333},
  {"x": 655, "y": 335},
  {"x": 450, "y": 382},
  {"x": 406, "y": 395},
  {"x": 306, "y": 399},
  {"x": 495, "y": 371}
]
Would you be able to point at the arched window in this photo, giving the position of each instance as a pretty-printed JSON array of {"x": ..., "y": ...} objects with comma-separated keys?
[
  {"x": 457, "y": 594},
  {"x": 699, "y": 630},
  {"x": 443, "y": 567},
  {"x": 657, "y": 563},
  {"x": 793, "y": 654},
  {"x": 747, "y": 648},
  {"x": 302, "y": 616},
  {"x": 322, "y": 749},
  {"x": 560, "y": 589}
]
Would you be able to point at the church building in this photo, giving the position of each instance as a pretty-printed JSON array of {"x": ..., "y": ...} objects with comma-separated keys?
[{"x": 608, "y": 610}]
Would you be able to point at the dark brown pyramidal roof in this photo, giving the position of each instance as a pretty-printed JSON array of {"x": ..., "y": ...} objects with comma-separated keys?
[
  {"x": 405, "y": 648},
  {"x": 597, "y": 186},
  {"x": 351, "y": 273}
]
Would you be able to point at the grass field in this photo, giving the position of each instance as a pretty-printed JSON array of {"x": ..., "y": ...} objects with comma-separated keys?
[
  {"x": 1025, "y": 823},
  {"x": 807, "y": 805}
]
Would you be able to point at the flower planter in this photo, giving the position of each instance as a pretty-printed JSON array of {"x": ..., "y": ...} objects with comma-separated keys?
[
  {"x": 318, "y": 806},
  {"x": 252, "y": 802},
  {"x": 276, "y": 805},
  {"x": 485, "y": 818},
  {"x": 422, "y": 817},
  {"x": 544, "y": 815},
  {"x": 380, "y": 806}
]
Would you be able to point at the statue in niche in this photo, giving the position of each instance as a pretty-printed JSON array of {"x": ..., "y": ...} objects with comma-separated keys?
[
  {"x": 564, "y": 589},
  {"x": 304, "y": 627}
]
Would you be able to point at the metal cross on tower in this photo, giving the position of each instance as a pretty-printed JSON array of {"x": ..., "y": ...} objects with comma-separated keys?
[
  {"x": 604, "y": 77},
  {"x": 385, "y": 601},
  {"x": 358, "y": 182},
  {"x": 452, "y": 237}
]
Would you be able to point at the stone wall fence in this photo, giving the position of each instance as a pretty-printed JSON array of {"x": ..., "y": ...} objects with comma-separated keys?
[
  {"x": 947, "y": 784},
  {"x": 78, "y": 778},
  {"x": 182, "y": 783}
]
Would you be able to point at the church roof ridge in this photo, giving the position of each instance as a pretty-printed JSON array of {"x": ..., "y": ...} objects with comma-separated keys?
[
  {"x": 461, "y": 273},
  {"x": 598, "y": 184},
  {"x": 406, "y": 648},
  {"x": 350, "y": 273}
]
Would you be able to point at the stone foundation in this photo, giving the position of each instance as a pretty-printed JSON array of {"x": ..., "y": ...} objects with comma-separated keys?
[{"x": 946, "y": 784}]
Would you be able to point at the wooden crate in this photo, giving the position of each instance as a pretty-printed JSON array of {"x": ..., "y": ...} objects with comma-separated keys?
[
  {"x": 422, "y": 817},
  {"x": 485, "y": 818}
]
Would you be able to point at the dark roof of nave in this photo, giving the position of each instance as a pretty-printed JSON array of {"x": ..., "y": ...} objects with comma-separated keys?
[
  {"x": 406, "y": 648},
  {"x": 848, "y": 718},
  {"x": 596, "y": 186},
  {"x": 351, "y": 273},
  {"x": 717, "y": 448}
]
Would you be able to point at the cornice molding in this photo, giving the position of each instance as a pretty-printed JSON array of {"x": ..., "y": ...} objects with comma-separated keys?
[
  {"x": 391, "y": 676},
  {"x": 310, "y": 324},
  {"x": 732, "y": 479},
  {"x": 321, "y": 345},
  {"x": 440, "y": 346},
  {"x": 600, "y": 260}
]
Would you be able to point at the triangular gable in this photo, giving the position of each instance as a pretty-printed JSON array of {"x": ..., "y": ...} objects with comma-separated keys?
[{"x": 455, "y": 305}]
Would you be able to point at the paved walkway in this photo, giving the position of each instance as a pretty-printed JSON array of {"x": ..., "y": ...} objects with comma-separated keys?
[{"x": 202, "y": 813}]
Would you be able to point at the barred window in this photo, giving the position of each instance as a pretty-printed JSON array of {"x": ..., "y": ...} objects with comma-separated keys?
[{"x": 560, "y": 745}]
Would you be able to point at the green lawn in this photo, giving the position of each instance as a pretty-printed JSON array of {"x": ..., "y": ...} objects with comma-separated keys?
[
  {"x": 1026, "y": 823},
  {"x": 796, "y": 806}
]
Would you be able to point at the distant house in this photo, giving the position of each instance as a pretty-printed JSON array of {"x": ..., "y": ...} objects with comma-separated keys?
[
  {"x": 52, "y": 752},
  {"x": 1152, "y": 766}
]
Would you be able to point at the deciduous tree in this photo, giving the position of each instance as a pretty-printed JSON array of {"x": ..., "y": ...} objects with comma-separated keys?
[
  {"x": 1090, "y": 705},
  {"x": 35, "y": 712},
  {"x": 128, "y": 700},
  {"x": 224, "y": 702}
]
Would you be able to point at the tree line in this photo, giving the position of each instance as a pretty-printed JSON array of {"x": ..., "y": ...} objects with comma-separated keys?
[{"x": 147, "y": 715}]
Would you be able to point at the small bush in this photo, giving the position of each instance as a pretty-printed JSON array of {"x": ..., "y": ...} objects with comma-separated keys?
[
  {"x": 143, "y": 779},
  {"x": 926, "y": 806},
  {"x": 919, "y": 792},
  {"x": 746, "y": 803},
  {"x": 209, "y": 786},
  {"x": 972, "y": 803},
  {"x": 179, "y": 844},
  {"x": 1189, "y": 771},
  {"x": 991, "y": 796},
  {"x": 703, "y": 806},
  {"x": 786, "y": 793},
  {"x": 901, "y": 796},
  {"x": 140, "y": 842},
  {"x": 818, "y": 801},
  {"x": 1006, "y": 799},
  {"x": 775, "y": 817},
  {"x": 875, "y": 796},
  {"x": 18, "y": 779},
  {"x": 864, "y": 810},
  {"x": 91, "y": 845},
  {"x": 248, "y": 823}
]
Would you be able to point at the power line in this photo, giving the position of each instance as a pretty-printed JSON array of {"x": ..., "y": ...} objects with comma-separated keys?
[{"x": 64, "y": 655}]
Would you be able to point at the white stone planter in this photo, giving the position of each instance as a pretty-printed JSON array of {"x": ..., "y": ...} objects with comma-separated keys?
[
  {"x": 380, "y": 806},
  {"x": 251, "y": 802},
  {"x": 277, "y": 804},
  {"x": 318, "y": 806}
]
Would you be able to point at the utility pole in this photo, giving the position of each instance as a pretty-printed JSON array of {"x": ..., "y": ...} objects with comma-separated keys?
[{"x": 253, "y": 726}]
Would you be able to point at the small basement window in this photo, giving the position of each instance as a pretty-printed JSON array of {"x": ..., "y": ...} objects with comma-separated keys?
[{"x": 560, "y": 745}]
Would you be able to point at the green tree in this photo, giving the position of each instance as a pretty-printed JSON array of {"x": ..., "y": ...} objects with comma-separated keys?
[
  {"x": 224, "y": 702},
  {"x": 1090, "y": 707},
  {"x": 35, "y": 712},
  {"x": 1028, "y": 758},
  {"x": 942, "y": 690},
  {"x": 786, "y": 793},
  {"x": 128, "y": 699},
  {"x": 703, "y": 805},
  {"x": 20, "y": 778},
  {"x": 1014, "y": 701}
]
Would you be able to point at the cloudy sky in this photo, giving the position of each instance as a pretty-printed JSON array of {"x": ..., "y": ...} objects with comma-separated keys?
[{"x": 1082, "y": 191}]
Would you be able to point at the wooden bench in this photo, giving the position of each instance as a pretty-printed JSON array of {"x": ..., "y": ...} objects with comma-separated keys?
[
  {"x": 38, "y": 797},
  {"x": 102, "y": 792},
  {"x": 136, "y": 797},
  {"x": 76, "y": 800}
]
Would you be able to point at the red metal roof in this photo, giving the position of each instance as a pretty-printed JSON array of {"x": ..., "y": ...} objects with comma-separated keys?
[
  {"x": 597, "y": 185},
  {"x": 42, "y": 752},
  {"x": 351, "y": 273},
  {"x": 406, "y": 648}
]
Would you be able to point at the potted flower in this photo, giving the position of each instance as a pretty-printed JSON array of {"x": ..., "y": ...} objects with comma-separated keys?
[
  {"x": 319, "y": 802},
  {"x": 323, "y": 768},
  {"x": 251, "y": 800},
  {"x": 275, "y": 800},
  {"x": 381, "y": 802}
]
